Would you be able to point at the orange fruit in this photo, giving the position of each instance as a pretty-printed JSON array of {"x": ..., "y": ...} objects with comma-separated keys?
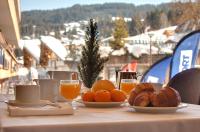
[
  {"x": 88, "y": 96},
  {"x": 102, "y": 96},
  {"x": 118, "y": 96},
  {"x": 103, "y": 85}
]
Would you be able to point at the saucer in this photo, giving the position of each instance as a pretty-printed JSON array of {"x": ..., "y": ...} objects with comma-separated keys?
[
  {"x": 159, "y": 109},
  {"x": 22, "y": 104},
  {"x": 101, "y": 104}
]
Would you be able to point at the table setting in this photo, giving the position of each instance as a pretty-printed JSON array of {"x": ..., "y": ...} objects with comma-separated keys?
[
  {"x": 102, "y": 107},
  {"x": 52, "y": 104},
  {"x": 30, "y": 101},
  {"x": 143, "y": 97}
]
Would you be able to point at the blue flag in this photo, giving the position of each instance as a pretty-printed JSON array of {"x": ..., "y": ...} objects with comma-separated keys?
[
  {"x": 185, "y": 53},
  {"x": 157, "y": 73}
]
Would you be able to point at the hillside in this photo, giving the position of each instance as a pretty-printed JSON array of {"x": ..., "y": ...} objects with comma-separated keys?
[{"x": 48, "y": 20}]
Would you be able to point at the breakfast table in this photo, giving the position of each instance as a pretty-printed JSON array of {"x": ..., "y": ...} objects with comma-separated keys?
[{"x": 119, "y": 119}]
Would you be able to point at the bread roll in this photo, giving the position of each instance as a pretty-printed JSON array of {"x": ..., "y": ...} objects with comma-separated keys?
[
  {"x": 159, "y": 99},
  {"x": 173, "y": 96},
  {"x": 142, "y": 99},
  {"x": 144, "y": 95},
  {"x": 144, "y": 87},
  {"x": 138, "y": 89},
  {"x": 132, "y": 97}
]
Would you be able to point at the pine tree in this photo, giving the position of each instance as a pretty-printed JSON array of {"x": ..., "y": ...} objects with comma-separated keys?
[
  {"x": 153, "y": 19},
  {"x": 136, "y": 26},
  {"x": 91, "y": 63},
  {"x": 119, "y": 33}
]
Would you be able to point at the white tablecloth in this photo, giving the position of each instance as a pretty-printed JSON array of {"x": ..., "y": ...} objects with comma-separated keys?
[{"x": 121, "y": 119}]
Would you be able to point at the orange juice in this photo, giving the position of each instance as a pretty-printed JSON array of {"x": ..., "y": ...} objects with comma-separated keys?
[
  {"x": 70, "y": 90},
  {"x": 127, "y": 87}
]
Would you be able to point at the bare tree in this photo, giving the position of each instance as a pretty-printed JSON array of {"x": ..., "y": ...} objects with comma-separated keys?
[{"x": 188, "y": 13}]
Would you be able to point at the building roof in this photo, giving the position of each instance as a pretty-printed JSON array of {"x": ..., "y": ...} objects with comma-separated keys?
[
  {"x": 118, "y": 52},
  {"x": 105, "y": 51},
  {"x": 32, "y": 46},
  {"x": 158, "y": 35},
  {"x": 55, "y": 45},
  {"x": 138, "y": 49}
]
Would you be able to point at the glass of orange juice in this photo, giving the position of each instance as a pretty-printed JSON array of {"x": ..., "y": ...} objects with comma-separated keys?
[
  {"x": 127, "y": 85},
  {"x": 70, "y": 89}
]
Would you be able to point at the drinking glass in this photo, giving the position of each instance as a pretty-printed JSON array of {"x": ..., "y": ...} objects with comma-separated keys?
[
  {"x": 70, "y": 89},
  {"x": 127, "y": 85}
]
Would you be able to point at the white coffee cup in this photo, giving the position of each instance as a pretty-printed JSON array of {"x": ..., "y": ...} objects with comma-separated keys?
[
  {"x": 48, "y": 89},
  {"x": 27, "y": 93}
]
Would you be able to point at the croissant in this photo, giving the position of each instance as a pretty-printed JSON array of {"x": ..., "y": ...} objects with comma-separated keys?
[
  {"x": 173, "y": 96},
  {"x": 145, "y": 95},
  {"x": 159, "y": 99},
  {"x": 142, "y": 99},
  {"x": 138, "y": 89}
]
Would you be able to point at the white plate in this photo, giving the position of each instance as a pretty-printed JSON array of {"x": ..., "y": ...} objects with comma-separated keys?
[
  {"x": 158, "y": 109},
  {"x": 101, "y": 104},
  {"x": 38, "y": 104}
]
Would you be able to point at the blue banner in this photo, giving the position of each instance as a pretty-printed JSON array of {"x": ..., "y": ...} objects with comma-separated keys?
[
  {"x": 185, "y": 53},
  {"x": 157, "y": 73}
]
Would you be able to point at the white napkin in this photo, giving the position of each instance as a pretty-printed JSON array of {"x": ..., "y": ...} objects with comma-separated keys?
[{"x": 64, "y": 109}]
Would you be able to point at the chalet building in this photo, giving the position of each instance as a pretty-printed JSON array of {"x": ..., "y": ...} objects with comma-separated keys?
[
  {"x": 57, "y": 55},
  {"x": 10, "y": 18}
]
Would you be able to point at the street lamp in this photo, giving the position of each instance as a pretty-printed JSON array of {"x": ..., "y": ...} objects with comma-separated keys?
[
  {"x": 34, "y": 28},
  {"x": 150, "y": 47}
]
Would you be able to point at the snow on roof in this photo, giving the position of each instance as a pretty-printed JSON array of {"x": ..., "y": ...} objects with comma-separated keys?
[
  {"x": 83, "y": 22},
  {"x": 166, "y": 50},
  {"x": 32, "y": 46},
  {"x": 65, "y": 39},
  {"x": 105, "y": 51},
  {"x": 176, "y": 37},
  {"x": 75, "y": 36},
  {"x": 139, "y": 49},
  {"x": 138, "y": 37},
  {"x": 72, "y": 24},
  {"x": 22, "y": 42},
  {"x": 55, "y": 45},
  {"x": 157, "y": 35},
  {"x": 126, "y": 19},
  {"x": 107, "y": 39},
  {"x": 81, "y": 32},
  {"x": 78, "y": 41},
  {"x": 119, "y": 52},
  {"x": 52, "y": 33}
]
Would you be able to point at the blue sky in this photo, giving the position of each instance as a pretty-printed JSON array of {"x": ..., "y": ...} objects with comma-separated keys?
[{"x": 53, "y": 4}]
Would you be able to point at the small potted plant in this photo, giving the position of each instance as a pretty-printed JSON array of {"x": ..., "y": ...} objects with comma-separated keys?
[{"x": 91, "y": 63}]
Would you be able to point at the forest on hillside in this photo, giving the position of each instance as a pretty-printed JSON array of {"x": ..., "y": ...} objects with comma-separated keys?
[{"x": 154, "y": 16}]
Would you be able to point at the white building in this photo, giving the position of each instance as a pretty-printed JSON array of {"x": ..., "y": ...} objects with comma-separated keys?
[
  {"x": 140, "y": 44},
  {"x": 126, "y": 19},
  {"x": 162, "y": 42},
  {"x": 71, "y": 26},
  {"x": 158, "y": 36}
]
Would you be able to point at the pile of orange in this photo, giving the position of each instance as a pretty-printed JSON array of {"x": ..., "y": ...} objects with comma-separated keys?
[{"x": 104, "y": 91}]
